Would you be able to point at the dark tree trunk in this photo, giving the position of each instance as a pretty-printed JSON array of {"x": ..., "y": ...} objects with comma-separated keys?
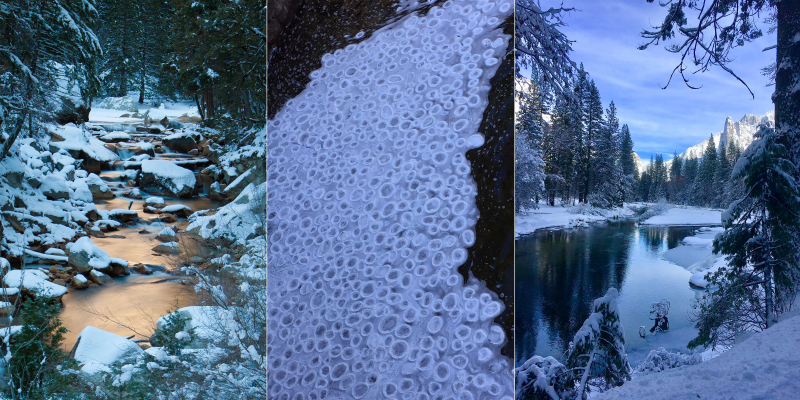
[{"x": 786, "y": 98}]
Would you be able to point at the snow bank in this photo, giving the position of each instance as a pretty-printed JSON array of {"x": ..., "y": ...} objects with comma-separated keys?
[
  {"x": 97, "y": 349},
  {"x": 208, "y": 322},
  {"x": 374, "y": 207},
  {"x": 547, "y": 216},
  {"x": 75, "y": 139},
  {"x": 765, "y": 366},
  {"x": 686, "y": 216},
  {"x": 34, "y": 280}
]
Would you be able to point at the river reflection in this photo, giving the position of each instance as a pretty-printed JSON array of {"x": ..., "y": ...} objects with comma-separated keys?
[{"x": 559, "y": 273}]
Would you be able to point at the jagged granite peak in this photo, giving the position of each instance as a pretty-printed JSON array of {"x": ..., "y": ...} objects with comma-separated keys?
[{"x": 740, "y": 131}]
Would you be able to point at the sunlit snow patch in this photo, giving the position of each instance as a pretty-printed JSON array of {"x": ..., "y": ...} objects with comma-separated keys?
[{"x": 371, "y": 209}]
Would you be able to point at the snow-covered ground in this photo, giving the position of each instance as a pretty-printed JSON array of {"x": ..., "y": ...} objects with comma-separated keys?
[
  {"x": 127, "y": 110},
  {"x": 682, "y": 215},
  {"x": 547, "y": 216},
  {"x": 765, "y": 366}
]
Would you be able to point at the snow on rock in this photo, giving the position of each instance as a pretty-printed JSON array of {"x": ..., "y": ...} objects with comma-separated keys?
[
  {"x": 686, "y": 216},
  {"x": 765, "y": 366},
  {"x": 168, "y": 248},
  {"x": 547, "y": 216},
  {"x": 84, "y": 255},
  {"x": 34, "y": 280},
  {"x": 97, "y": 349},
  {"x": 82, "y": 192},
  {"x": 179, "y": 210},
  {"x": 699, "y": 278},
  {"x": 76, "y": 140},
  {"x": 55, "y": 187},
  {"x": 167, "y": 235},
  {"x": 114, "y": 137},
  {"x": 165, "y": 178},
  {"x": 373, "y": 206},
  {"x": 98, "y": 187},
  {"x": 237, "y": 221}
]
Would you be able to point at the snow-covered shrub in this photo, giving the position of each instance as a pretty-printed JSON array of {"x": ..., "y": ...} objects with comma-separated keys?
[
  {"x": 542, "y": 378},
  {"x": 585, "y": 209},
  {"x": 660, "y": 360},
  {"x": 598, "y": 349},
  {"x": 656, "y": 209},
  {"x": 174, "y": 334}
]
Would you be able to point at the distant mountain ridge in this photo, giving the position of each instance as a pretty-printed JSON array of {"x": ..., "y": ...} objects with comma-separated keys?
[{"x": 740, "y": 131}]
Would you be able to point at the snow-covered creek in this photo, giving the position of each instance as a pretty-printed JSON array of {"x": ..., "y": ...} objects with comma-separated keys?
[{"x": 563, "y": 271}]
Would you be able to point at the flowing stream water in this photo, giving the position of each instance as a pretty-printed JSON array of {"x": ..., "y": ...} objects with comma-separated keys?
[
  {"x": 130, "y": 305},
  {"x": 560, "y": 272}
]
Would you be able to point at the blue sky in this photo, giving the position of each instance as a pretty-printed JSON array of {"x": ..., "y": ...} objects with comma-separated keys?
[{"x": 607, "y": 34}]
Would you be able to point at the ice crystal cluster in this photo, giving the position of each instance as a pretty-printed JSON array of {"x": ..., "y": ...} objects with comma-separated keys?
[{"x": 371, "y": 210}]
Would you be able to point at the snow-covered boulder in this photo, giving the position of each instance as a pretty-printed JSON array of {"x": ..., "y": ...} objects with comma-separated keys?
[
  {"x": 179, "y": 210},
  {"x": 167, "y": 235},
  {"x": 98, "y": 277},
  {"x": 84, "y": 256},
  {"x": 240, "y": 183},
  {"x": 181, "y": 142},
  {"x": 115, "y": 137},
  {"x": 165, "y": 178},
  {"x": 123, "y": 215},
  {"x": 55, "y": 187},
  {"x": 97, "y": 349},
  {"x": 82, "y": 192},
  {"x": 80, "y": 282},
  {"x": 35, "y": 281},
  {"x": 98, "y": 187},
  {"x": 168, "y": 248}
]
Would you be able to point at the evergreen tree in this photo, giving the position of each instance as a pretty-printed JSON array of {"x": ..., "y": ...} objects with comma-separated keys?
[
  {"x": 606, "y": 169},
  {"x": 36, "y": 356},
  {"x": 762, "y": 273},
  {"x": 529, "y": 166},
  {"x": 598, "y": 349},
  {"x": 218, "y": 56},
  {"x": 49, "y": 52},
  {"x": 675, "y": 177},
  {"x": 704, "y": 184},
  {"x": 722, "y": 176},
  {"x": 593, "y": 123},
  {"x": 627, "y": 163},
  {"x": 558, "y": 152}
]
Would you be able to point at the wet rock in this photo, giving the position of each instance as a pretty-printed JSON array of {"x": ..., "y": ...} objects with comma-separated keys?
[
  {"x": 134, "y": 193},
  {"x": 194, "y": 152},
  {"x": 181, "y": 142},
  {"x": 168, "y": 248},
  {"x": 80, "y": 282},
  {"x": 178, "y": 210},
  {"x": 98, "y": 277},
  {"x": 59, "y": 281},
  {"x": 164, "y": 122},
  {"x": 167, "y": 235},
  {"x": 168, "y": 218},
  {"x": 144, "y": 232},
  {"x": 142, "y": 269},
  {"x": 122, "y": 215}
]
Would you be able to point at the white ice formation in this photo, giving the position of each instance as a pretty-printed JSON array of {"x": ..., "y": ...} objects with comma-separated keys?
[{"x": 371, "y": 209}]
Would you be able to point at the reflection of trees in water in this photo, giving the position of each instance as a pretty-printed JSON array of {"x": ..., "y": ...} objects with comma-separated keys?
[
  {"x": 559, "y": 274},
  {"x": 653, "y": 237}
]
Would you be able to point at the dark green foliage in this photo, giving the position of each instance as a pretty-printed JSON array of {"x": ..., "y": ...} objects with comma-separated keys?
[
  {"x": 219, "y": 56},
  {"x": 165, "y": 335},
  {"x": 762, "y": 274},
  {"x": 37, "y": 361},
  {"x": 598, "y": 349}
]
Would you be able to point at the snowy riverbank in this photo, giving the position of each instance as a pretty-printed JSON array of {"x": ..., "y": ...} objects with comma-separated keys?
[
  {"x": 547, "y": 216},
  {"x": 765, "y": 366},
  {"x": 685, "y": 215}
]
